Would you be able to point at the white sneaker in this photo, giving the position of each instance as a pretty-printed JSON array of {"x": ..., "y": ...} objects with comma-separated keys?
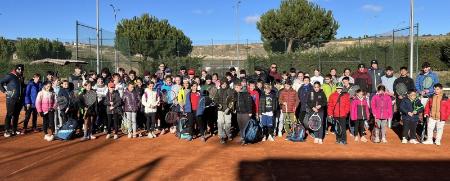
[
  {"x": 280, "y": 134},
  {"x": 46, "y": 137},
  {"x": 428, "y": 142},
  {"x": 108, "y": 136},
  {"x": 320, "y": 141},
  {"x": 150, "y": 135},
  {"x": 7, "y": 135},
  {"x": 129, "y": 135},
  {"x": 154, "y": 135},
  {"x": 413, "y": 141},
  {"x": 438, "y": 143},
  {"x": 264, "y": 138},
  {"x": 92, "y": 137},
  {"x": 50, "y": 138},
  {"x": 316, "y": 140},
  {"x": 404, "y": 141},
  {"x": 116, "y": 137},
  {"x": 271, "y": 138},
  {"x": 384, "y": 140}
]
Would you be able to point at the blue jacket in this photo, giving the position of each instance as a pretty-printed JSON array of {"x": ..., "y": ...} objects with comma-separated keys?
[
  {"x": 187, "y": 105},
  {"x": 31, "y": 92},
  {"x": 408, "y": 106},
  {"x": 303, "y": 93},
  {"x": 419, "y": 82}
]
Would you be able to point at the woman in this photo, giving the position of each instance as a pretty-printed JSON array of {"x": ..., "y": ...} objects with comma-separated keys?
[
  {"x": 45, "y": 105},
  {"x": 89, "y": 108},
  {"x": 317, "y": 102}
]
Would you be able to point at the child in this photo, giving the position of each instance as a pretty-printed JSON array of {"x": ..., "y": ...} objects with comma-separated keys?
[
  {"x": 45, "y": 105},
  {"x": 381, "y": 105},
  {"x": 244, "y": 108},
  {"x": 113, "y": 104},
  {"x": 89, "y": 109},
  {"x": 33, "y": 88},
  {"x": 267, "y": 106},
  {"x": 359, "y": 113},
  {"x": 410, "y": 109},
  {"x": 328, "y": 87},
  {"x": 131, "y": 100},
  {"x": 150, "y": 102},
  {"x": 437, "y": 110},
  {"x": 223, "y": 99},
  {"x": 317, "y": 102},
  {"x": 288, "y": 101},
  {"x": 338, "y": 108}
]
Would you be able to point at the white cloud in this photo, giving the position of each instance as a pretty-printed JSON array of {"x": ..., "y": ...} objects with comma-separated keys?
[
  {"x": 252, "y": 19},
  {"x": 372, "y": 8},
  {"x": 203, "y": 12}
]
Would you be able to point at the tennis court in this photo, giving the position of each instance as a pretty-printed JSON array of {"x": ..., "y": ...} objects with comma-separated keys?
[{"x": 29, "y": 157}]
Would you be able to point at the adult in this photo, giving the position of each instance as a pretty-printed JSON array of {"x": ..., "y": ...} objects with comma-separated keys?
[
  {"x": 76, "y": 79},
  {"x": 388, "y": 80},
  {"x": 273, "y": 73},
  {"x": 362, "y": 78},
  {"x": 426, "y": 90},
  {"x": 14, "y": 84},
  {"x": 375, "y": 74}
]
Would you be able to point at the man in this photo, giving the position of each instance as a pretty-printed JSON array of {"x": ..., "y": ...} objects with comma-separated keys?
[
  {"x": 409, "y": 83},
  {"x": 273, "y": 73},
  {"x": 14, "y": 84},
  {"x": 426, "y": 73},
  {"x": 76, "y": 78},
  {"x": 362, "y": 78},
  {"x": 375, "y": 74}
]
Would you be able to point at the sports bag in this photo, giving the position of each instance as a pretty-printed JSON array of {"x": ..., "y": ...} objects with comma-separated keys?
[
  {"x": 297, "y": 134},
  {"x": 253, "y": 132},
  {"x": 67, "y": 131}
]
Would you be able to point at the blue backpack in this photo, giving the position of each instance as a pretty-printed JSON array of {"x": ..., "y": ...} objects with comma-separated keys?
[
  {"x": 253, "y": 132},
  {"x": 297, "y": 134},
  {"x": 68, "y": 129},
  {"x": 183, "y": 129}
]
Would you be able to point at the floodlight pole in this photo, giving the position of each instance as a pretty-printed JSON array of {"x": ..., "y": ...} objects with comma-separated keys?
[
  {"x": 98, "y": 38},
  {"x": 411, "y": 39},
  {"x": 116, "y": 60},
  {"x": 237, "y": 33}
]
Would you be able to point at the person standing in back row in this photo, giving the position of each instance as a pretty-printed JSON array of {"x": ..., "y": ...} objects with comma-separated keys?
[
  {"x": 13, "y": 82},
  {"x": 375, "y": 74}
]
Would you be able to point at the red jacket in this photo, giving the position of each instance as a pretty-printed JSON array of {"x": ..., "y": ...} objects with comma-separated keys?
[
  {"x": 445, "y": 108},
  {"x": 339, "y": 109},
  {"x": 291, "y": 98},
  {"x": 255, "y": 96}
]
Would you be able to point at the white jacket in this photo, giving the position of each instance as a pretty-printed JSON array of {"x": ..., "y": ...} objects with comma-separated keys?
[{"x": 150, "y": 101}]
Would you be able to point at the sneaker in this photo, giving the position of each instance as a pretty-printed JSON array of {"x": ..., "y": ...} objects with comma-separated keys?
[
  {"x": 230, "y": 138},
  {"x": 222, "y": 141},
  {"x": 428, "y": 142},
  {"x": 24, "y": 131},
  {"x": 46, "y": 137},
  {"x": 271, "y": 138},
  {"x": 320, "y": 141},
  {"x": 135, "y": 136},
  {"x": 163, "y": 131},
  {"x": 6, "y": 135},
  {"x": 92, "y": 137},
  {"x": 154, "y": 135},
  {"x": 203, "y": 139},
  {"x": 18, "y": 132},
  {"x": 82, "y": 139},
  {"x": 108, "y": 136},
  {"x": 280, "y": 134},
  {"x": 384, "y": 140},
  {"x": 264, "y": 138},
  {"x": 413, "y": 141},
  {"x": 356, "y": 138},
  {"x": 50, "y": 138},
  {"x": 316, "y": 140},
  {"x": 438, "y": 143},
  {"x": 35, "y": 131},
  {"x": 116, "y": 137},
  {"x": 150, "y": 135},
  {"x": 404, "y": 141},
  {"x": 129, "y": 135},
  {"x": 363, "y": 139},
  {"x": 377, "y": 140}
]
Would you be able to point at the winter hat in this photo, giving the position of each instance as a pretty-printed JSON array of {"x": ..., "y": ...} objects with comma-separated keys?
[{"x": 339, "y": 85}]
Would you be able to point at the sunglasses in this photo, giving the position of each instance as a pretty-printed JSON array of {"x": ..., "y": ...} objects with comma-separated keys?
[{"x": 273, "y": 67}]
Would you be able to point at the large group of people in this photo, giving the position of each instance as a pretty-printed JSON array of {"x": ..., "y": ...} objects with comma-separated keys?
[{"x": 365, "y": 102}]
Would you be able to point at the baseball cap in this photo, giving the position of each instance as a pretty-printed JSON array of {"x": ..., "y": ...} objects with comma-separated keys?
[{"x": 339, "y": 85}]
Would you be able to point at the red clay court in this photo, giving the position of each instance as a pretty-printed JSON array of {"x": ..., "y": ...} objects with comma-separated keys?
[{"x": 29, "y": 157}]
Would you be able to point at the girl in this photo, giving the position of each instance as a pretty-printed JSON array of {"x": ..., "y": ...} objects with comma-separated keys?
[
  {"x": 410, "y": 109},
  {"x": 267, "y": 106},
  {"x": 131, "y": 100},
  {"x": 359, "y": 113},
  {"x": 317, "y": 102},
  {"x": 150, "y": 102},
  {"x": 89, "y": 108},
  {"x": 113, "y": 105},
  {"x": 381, "y": 105},
  {"x": 45, "y": 105}
]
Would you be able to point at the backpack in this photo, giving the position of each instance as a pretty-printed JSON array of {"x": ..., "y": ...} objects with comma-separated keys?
[
  {"x": 182, "y": 129},
  {"x": 253, "y": 132},
  {"x": 67, "y": 131},
  {"x": 297, "y": 134}
]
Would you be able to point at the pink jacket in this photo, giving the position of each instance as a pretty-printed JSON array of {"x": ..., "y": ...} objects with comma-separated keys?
[
  {"x": 354, "y": 108},
  {"x": 381, "y": 106},
  {"x": 45, "y": 101}
]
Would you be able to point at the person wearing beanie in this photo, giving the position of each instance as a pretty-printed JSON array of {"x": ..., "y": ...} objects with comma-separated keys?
[
  {"x": 338, "y": 109},
  {"x": 362, "y": 78},
  {"x": 14, "y": 83},
  {"x": 375, "y": 74}
]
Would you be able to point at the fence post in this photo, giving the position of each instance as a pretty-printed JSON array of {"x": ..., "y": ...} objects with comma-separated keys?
[{"x": 417, "y": 48}]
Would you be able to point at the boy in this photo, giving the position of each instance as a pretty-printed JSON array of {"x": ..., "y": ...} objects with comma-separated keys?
[
  {"x": 267, "y": 106},
  {"x": 288, "y": 102},
  {"x": 338, "y": 108},
  {"x": 244, "y": 108},
  {"x": 437, "y": 110},
  {"x": 410, "y": 109},
  {"x": 224, "y": 99},
  {"x": 33, "y": 88}
]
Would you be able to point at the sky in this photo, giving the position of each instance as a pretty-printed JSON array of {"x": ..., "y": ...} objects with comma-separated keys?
[{"x": 205, "y": 21}]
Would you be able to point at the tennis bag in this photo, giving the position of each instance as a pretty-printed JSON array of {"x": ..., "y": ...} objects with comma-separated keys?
[
  {"x": 67, "y": 131},
  {"x": 253, "y": 132},
  {"x": 182, "y": 131},
  {"x": 297, "y": 133}
]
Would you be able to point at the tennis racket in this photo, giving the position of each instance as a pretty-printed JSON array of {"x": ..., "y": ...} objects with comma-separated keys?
[
  {"x": 315, "y": 122},
  {"x": 427, "y": 82},
  {"x": 62, "y": 102},
  {"x": 337, "y": 127},
  {"x": 124, "y": 125},
  {"x": 352, "y": 90},
  {"x": 401, "y": 89}
]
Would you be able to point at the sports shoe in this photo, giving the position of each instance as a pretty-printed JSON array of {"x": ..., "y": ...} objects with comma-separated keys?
[
  {"x": 46, "y": 137},
  {"x": 154, "y": 135},
  {"x": 438, "y": 143},
  {"x": 50, "y": 138},
  {"x": 264, "y": 138},
  {"x": 413, "y": 141},
  {"x": 377, "y": 140},
  {"x": 404, "y": 141},
  {"x": 356, "y": 138},
  {"x": 150, "y": 135},
  {"x": 230, "y": 138},
  {"x": 384, "y": 140},
  {"x": 316, "y": 140},
  {"x": 116, "y": 137},
  {"x": 92, "y": 137},
  {"x": 280, "y": 134},
  {"x": 203, "y": 139},
  {"x": 320, "y": 141},
  {"x": 129, "y": 135},
  {"x": 271, "y": 138},
  {"x": 83, "y": 138},
  {"x": 108, "y": 136},
  {"x": 222, "y": 141},
  {"x": 363, "y": 139},
  {"x": 428, "y": 142},
  {"x": 163, "y": 131},
  {"x": 6, "y": 135}
]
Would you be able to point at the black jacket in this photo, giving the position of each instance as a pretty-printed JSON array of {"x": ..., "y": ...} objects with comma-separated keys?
[
  {"x": 117, "y": 102},
  {"x": 405, "y": 80},
  {"x": 317, "y": 98},
  {"x": 221, "y": 98},
  {"x": 409, "y": 106},
  {"x": 265, "y": 106},
  {"x": 14, "y": 87},
  {"x": 243, "y": 103}
]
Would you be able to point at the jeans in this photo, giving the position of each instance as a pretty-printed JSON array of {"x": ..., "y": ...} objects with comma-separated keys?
[
  {"x": 242, "y": 120},
  {"x": 439, "y": 125},
  {"x": 409, "y": 129},
  {"x": 131, "y": 122},
  {"x": 224, "y": 124},
  {"x": 30, "y": 113},
  {"x": 342, "y": 137},
  {"x": 113, "y": 119},
  {"x": 267, "y": 125},
  {"x": 359, "y": 127},
  {"x": 150, "y": 121},
  {"x": 13, "y": 108},
  {"x": 48, "y": 122},
  {"x": 381, "y": 126}
]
